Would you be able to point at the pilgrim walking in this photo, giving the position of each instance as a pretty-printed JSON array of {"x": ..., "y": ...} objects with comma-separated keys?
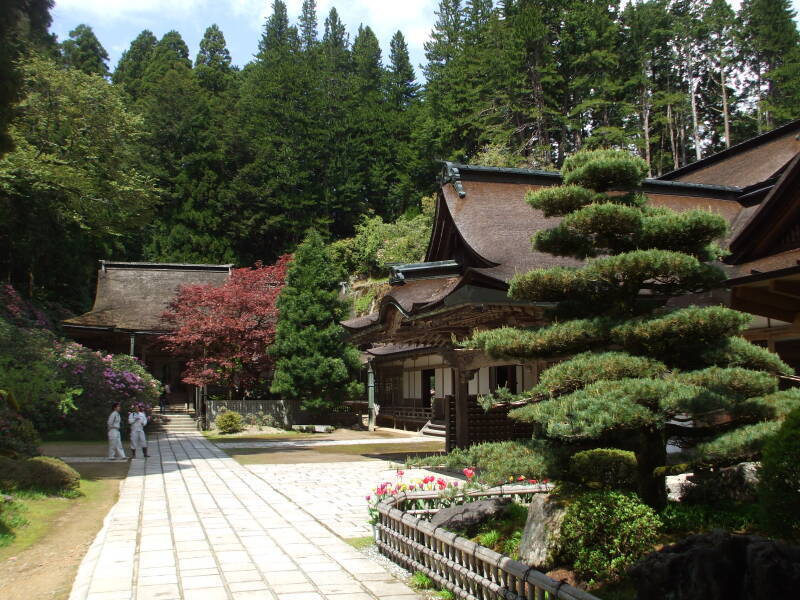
[
  {"x": 114, "y": 441},
  {"x": 137, "y": 420}
]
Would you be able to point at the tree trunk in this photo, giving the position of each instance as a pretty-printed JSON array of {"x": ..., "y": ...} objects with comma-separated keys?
[
  {"x": 725, "y": 115},
  {"x": 695, "y": 126},
  {"x": 646, "y": 127},
  {"x": 672, "y": 137},
  {"x": 651, "y": 453}
]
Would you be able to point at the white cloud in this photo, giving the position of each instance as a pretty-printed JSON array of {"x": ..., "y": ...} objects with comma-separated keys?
[{"x": 111, "y": 10}]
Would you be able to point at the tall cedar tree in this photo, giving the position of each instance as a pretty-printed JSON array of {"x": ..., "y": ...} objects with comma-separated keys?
[
  {"x": 129, "y": 72},
  {"x": 639, "y": 370},
  {"x": 224, "y": 332},
  {"x": 313, "y": 362},
  {"x": 83, "y": 51}
]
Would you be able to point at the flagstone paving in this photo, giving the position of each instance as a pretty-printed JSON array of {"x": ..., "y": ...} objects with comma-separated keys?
[{"x": 193, "y": 524}]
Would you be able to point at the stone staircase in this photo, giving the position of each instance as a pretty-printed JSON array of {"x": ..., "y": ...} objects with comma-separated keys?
[
  {"x": 175, "y": 422},
  {"x": 434, "y": 429}
]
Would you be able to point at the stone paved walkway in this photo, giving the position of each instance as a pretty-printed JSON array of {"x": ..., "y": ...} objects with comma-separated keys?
[
  {"x": 335, "y": 492},
  {"x": 193, "y": 524}
]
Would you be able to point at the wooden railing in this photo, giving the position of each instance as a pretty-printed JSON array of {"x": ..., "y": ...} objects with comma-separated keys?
[{"x": 470, "y": 571}]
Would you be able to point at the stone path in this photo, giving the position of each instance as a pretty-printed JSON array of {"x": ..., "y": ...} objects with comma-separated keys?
[
  {"x": 312, "y": 443},
  {"x": 193, "y": 524},
  {"x": 335, "y": 492}
]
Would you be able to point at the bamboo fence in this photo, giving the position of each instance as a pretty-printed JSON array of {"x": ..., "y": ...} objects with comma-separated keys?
[{"x": 470, "y": 571}]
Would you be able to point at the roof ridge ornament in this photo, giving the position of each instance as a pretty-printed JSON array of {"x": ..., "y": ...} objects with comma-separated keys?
[{"x": 452, "y": 174}]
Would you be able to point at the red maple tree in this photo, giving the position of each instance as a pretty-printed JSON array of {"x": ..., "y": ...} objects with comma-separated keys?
[{"x": 224, "y": 332}]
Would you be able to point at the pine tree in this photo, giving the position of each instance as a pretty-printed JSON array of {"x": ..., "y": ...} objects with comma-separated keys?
[
  {"x": 636, "y": 363},
  {"x": 83, "y": 51},
  {"x": 212, "y": 66},
  {"x": 313, "y": 362},
  {"x": 308, "y": 24},
  {"x": 130, "y": 69},
  {"x": 403, "y": 88}
]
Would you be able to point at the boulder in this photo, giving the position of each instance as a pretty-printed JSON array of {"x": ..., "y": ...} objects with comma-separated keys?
[
  {"x": 464, "y": 517},
  {"x": 542, "y": 532},
  {"x": 738, "y": 483},
  {"x": 720, "y": 566}
]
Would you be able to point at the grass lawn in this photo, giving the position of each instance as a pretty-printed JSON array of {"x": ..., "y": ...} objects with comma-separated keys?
[
  {"x": 39, "y": 559},
  {"x": 81, "y": 448},
  {"x": 399, "y": 453}
]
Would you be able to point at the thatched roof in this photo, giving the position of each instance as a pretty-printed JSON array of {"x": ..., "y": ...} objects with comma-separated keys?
[{"x": 133, "y": 296}]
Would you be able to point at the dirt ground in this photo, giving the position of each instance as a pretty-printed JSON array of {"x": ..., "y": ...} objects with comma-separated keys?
[
  {"x": 46, "y": 569},
  {"x": 323, "y": 454},
  {"x": 338, "y": 434}
]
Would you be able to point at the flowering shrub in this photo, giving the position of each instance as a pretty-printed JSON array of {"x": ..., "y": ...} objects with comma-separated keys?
[
  {"x": 449, "y": 492},
  {"x": 58, "y": 384},
  {"x": 101, "y": 380}
]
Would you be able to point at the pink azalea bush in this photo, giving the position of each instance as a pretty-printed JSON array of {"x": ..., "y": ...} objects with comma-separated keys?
[{"x": 58, "y": 384}]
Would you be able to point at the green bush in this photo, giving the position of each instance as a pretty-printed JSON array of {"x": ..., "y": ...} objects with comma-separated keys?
[
  {"x": 779, "y": 486},
  {"x": 683, "y": 519},
  {"x": 40, "y": 472},
  {"x": 48, "y": 473},
  {"x": 229, "y": 421},
  {"x": 605, "y": 532},
  {"x": 605, "y": 468},
  {"x": 497, "y": 462},
  {"x": 17, "y": 435}
]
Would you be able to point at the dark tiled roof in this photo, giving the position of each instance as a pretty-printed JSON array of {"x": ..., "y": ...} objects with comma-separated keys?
[
  {"x": 361, "y": 322},
  {"x": 133, "y": 296},
  {"x": 747, "y": 163}
]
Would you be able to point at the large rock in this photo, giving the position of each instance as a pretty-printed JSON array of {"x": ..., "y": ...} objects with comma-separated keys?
[
  {"x": 463, "y": 517},
  {"x": 542, "y": 531},
  {"x": 720, "y": 566},
  {"x": 738, "y": 483}
]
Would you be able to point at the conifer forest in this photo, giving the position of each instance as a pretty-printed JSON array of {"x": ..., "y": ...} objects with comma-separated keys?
[{"x": 175, "y": 154}]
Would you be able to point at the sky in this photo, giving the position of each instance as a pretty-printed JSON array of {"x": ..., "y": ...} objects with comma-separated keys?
[{"x": 117, "y": 22}]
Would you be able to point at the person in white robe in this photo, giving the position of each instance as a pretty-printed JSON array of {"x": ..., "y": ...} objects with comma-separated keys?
[
  {"x": 137, "y": 420},
  {"x": 114, "y": 440}
]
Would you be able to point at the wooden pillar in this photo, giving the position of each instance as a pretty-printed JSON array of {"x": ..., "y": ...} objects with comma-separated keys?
[{"x": 461, "y": 383}]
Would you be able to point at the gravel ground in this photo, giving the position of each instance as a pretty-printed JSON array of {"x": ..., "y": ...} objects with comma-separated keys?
[{"x": 402, "y": 574}]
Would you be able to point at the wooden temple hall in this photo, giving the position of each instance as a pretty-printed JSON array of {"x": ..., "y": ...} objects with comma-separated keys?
[
  {"x": 481, "y": 238},
  {"x": 126, "y": 316}
]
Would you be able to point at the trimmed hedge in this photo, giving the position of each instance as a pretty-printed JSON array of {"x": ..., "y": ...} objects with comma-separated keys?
[
  {"x": 779, "y": 486},
  {"x": 605, "y": 468},
  {"x": 41, "y": 472}
]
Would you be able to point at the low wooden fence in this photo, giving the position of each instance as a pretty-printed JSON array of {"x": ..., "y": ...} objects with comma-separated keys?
[{"x": 470, "y": 571}]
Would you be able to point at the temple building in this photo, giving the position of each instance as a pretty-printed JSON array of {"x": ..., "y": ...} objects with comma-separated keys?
[
  {"x": 126, "y": 316},
  {"x": 481, "y": 239}
]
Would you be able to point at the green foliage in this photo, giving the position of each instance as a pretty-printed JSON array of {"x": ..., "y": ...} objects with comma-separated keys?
[
  {"x": 559, "y": 339},
  {"x": 71, "y": 192},
  {"x": 684, "y": 519},
  {"x": 501, "y": 395},
  {"x": 313, "y": 362},
  {"x": 779, "y": 485},
  {"x": 741, "y": 444},
  {"x": 378, "y": 244},
  {"x": 499, "y": 462},
  {"x": 420, "y": 581},
  {"x": 606, "y": 468},
  {"x": 43, "y": 473},
  {"x": 681, "y": 337},
  {"x": 602, "y": 407},
  {"x": 583, "y": 369},
  {"x": 229, "y": 421},
  {"x": 52, "y": 474},
  {"x": 17, "y": 435},
  {"x": 83, "y": 51},
  {"x": 560, "y": 200},
  {"x": 604, "y": 533},
  {"x": 733, "y": 383},
  {"x": 738, "y": 352},
  {"x": 603, "y": 170}
]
